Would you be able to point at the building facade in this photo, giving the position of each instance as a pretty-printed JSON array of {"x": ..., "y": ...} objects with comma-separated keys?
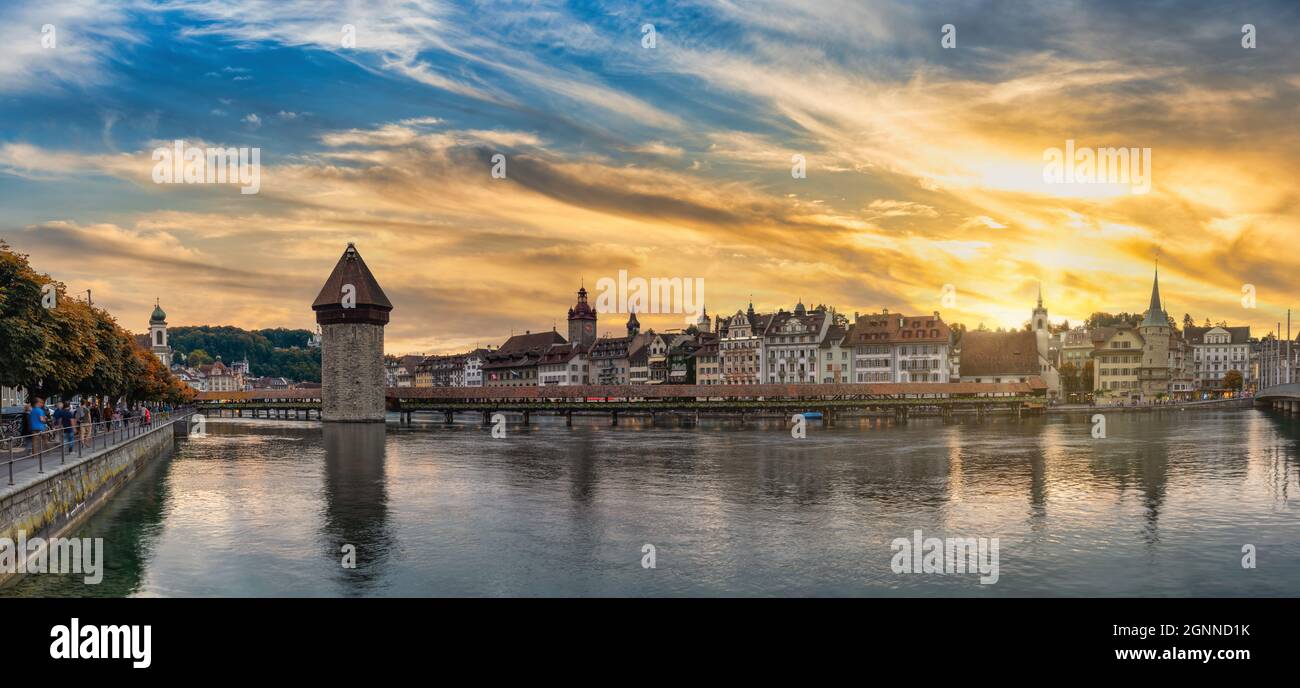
[
  {"x": 741, "y": 348},
  {"x": 889, "y": 347},
  {"x": 1117, "y": 358},
  {"x": 791, "y": 345},
  {"x": 1217, "y": 350}
]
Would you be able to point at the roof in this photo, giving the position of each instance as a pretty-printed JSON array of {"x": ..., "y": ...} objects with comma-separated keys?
[
  {"x": 610, "y": 347},
  {"x": 531, "y": 341},
  {"x": 372, "y": 305},
  {"x": 892, "y": 327},
  {"x": 1240, "y": 335},
  {"x": 561, "y": 353},
  {"x": 834, "y": 335},
  {"x": 1155, "y": 316},
  {"x": 999, "y": 353},
  {"x": 812, "y": 322}
]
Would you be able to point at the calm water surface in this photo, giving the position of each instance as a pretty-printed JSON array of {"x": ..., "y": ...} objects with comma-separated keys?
[{"x": 261, "y": 508}]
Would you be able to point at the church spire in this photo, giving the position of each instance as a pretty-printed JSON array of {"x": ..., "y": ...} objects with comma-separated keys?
[{"x": 1155, "y": 316}]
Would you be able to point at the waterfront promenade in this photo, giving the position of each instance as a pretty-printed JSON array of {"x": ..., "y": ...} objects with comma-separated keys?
[{"x": 21, "y": 466}]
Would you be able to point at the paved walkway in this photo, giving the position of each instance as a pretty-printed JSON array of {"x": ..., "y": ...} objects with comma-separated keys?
[{"x": 26, "y": 466}]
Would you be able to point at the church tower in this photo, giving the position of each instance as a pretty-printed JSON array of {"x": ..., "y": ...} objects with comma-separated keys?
[
  {"x": 352, "y": 311},
  {"x": 633, "y": 325},
  {"x": 1153, "y": 371},
  {"x": 582, "y": 321},
  {"x": 1040, "y": 313},
  {"x": 704, "y": 324},
  {"x": 158, "y": 335}
]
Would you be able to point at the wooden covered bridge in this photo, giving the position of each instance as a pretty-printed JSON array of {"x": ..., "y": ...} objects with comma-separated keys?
[{"x": 896, "y": 399}]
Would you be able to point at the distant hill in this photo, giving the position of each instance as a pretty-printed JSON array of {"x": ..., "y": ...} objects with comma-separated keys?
[{"x": 270, "y": 353}]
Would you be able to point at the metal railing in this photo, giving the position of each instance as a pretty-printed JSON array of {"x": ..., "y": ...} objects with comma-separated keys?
[{"x": 85, "y": 438}]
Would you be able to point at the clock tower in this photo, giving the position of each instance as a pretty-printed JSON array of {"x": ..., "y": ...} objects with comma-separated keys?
[{"x": 582, "y": 321}]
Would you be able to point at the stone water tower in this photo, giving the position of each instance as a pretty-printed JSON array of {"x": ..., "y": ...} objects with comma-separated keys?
[{"x": 352, "y": 311}]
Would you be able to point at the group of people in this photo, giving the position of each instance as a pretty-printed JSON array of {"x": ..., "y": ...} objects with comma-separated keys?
[{"x": 80, "y": 423}]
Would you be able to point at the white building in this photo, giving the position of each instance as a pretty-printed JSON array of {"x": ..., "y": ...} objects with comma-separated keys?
[
  {"x": 473, "y": 374},
  {"x": 1217, "y": 350},
  {"x": 564, "y": 364},
  {"x": 792, "y": 344}
]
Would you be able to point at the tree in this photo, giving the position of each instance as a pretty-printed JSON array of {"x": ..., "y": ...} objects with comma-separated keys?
[
  {"x": 1087, "y": 383},
  {"x": 199, "y": 357},
  {"x": 1232, "y": 380},
  {"x": 68, "y": 347},
  {"x": 1069, "y": 379}
]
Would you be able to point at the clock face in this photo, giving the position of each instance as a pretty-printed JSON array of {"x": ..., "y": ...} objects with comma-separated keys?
[{"x": 586, "y": 328}]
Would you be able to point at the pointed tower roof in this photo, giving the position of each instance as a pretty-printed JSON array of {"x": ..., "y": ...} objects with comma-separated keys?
[
  {"x": 372, "y": 306},
  {"x": 1155, "y": 316},
  {"x": 158, "y": 314}
]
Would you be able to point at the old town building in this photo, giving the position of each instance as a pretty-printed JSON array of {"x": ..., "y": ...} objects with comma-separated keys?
[
  {"x": 741, "y": 347},
  {"x": 888, "y": 347},
  {"x": 791, "y": 344}
]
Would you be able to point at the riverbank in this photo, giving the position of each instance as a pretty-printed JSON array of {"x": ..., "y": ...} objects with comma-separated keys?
[
  {"x": 53, "y": 500},
  {"x": 1213, "y": 404}
]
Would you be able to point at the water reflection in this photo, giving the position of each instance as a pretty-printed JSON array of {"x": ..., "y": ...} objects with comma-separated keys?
[
  {"x": 356, "y": 502},
  {"x": 1161, "y": 506}
]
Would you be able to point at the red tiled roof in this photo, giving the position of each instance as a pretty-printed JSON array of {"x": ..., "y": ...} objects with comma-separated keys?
[{"x": 999, "y": 353}]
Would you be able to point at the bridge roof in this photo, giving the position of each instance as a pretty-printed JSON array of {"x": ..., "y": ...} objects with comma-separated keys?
[{"x": 1034, "y": 385}]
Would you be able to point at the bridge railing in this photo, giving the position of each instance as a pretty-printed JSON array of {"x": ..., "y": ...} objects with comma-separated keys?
[{"x": 81, "y": 438}]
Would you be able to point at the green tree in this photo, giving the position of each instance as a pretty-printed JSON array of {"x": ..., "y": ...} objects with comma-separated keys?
[
  {"x": 199, "y": 357},
  {"x": 70, "y": 347}
]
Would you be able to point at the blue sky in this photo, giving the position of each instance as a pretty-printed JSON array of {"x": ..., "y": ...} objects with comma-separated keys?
[{"x": 923, "y": 162}]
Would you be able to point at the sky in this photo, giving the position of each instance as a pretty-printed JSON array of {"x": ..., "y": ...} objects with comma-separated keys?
[{"x": 924, "y": 185}]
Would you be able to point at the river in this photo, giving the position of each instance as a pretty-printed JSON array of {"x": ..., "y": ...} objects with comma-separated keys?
[{"x": 1162, "y": 506}]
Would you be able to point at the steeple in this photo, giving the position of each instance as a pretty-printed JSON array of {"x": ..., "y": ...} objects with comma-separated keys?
[
  {"x": 1155, "y": 316},
  {"x": 1040, "y": 312},
  {"x": 633, "y": 327}
]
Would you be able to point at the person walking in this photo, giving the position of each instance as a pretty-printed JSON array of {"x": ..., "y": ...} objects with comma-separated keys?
[
  {"x": 36, "y": 422},
  {"x": 83, "y": 423},
  {"x": 65, "y": 421}
]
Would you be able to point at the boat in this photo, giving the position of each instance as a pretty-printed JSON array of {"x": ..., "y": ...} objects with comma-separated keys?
[{"x": 812, "y": 415}]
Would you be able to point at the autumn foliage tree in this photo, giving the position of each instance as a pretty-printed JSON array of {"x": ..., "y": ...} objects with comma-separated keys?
[{"x": 70, "y": 348}]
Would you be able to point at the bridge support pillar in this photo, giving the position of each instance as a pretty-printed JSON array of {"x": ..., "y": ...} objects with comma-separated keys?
[
  {"x": 568, "y": 418},
  {"x": 653, "y": 419},
  {"x": 828, "y": 418},
  {"x": 487, "y": 418},
  {"x": 449, "y": 418},
  {"x": 613, "y": 418},
  {"x": 525, "y": 418}
]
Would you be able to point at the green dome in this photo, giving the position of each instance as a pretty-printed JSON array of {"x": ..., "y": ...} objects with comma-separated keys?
[{"x": 158, "y": 314}]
